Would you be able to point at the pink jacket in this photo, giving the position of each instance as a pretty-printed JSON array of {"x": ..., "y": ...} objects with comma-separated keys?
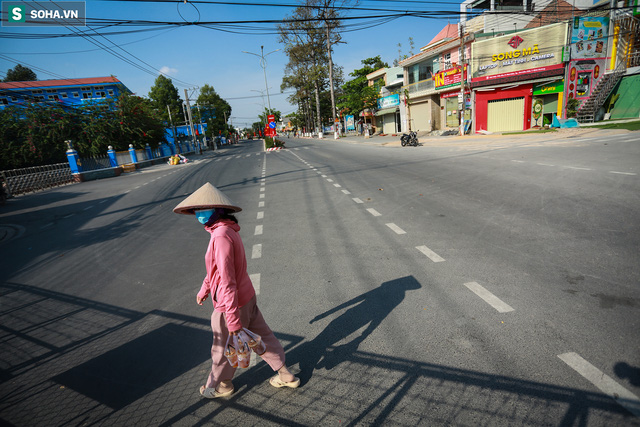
[{"x": 227, "y": 277}]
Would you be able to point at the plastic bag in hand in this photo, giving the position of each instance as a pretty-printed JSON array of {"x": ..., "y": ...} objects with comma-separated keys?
[
  {"x": 230, "y": 352},
  {"x": 243, "y": 350},
  {"x": 254, "y": 340}
]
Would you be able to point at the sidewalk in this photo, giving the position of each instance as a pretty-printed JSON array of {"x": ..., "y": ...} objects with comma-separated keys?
[{"x": 428, "y": 140}]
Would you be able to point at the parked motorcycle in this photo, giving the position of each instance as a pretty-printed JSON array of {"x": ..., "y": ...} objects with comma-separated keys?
[{"x": 411, "y": 139}]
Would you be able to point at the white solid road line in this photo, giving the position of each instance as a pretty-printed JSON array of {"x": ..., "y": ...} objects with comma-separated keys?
[
  {"x": 623, "y": 173},
  {"x": 257, "y": 251},
  {"x": 605, "y": 383},
  {"x": 374, "y": 212},
  {"x": 430, "y": 254},
  {"x": 395, "y": 228},
  {"x": 489, "y": 298}
]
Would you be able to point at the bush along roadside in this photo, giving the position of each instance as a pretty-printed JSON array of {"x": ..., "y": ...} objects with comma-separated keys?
[{"x": 270, "y": 142}]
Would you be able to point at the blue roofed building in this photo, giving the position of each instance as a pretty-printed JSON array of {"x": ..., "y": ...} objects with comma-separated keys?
[{"x": 68, "y": 92}]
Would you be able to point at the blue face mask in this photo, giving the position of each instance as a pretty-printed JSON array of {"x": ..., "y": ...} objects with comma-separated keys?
[{"x": 204, "y": 216}]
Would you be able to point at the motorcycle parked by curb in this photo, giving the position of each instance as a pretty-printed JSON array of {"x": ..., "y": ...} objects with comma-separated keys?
[{"x": 410, "y": 139}]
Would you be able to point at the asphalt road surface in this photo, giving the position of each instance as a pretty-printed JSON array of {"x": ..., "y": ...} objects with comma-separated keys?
[{"x": 483, "y": 281}]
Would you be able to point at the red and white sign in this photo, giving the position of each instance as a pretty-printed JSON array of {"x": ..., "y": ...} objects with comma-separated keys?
[{"x": 271, "y": 118}]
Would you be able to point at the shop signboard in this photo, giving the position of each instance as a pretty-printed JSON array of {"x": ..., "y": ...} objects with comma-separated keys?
[
  {"x": 549, "y": 88},
  {"x": 448, "y": 78},
  {"x": 350, "y": 122},
  {"x": 530, "y": 51},
  {"x": 389, "y": 101},
  {"x": 589, "y": 37}
]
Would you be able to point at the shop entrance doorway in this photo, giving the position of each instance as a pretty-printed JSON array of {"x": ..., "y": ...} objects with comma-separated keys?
[{"x": 505, "y": 115}]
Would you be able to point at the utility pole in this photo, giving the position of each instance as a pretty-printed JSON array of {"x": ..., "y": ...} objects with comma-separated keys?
[
  {"x": 193, "y": 134},
  {"x": 173, "y": 129},
  {"x": 462, "y": 79}
]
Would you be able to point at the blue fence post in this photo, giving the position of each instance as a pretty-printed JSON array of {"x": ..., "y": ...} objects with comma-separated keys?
[
  {"x": 113, "y": 160},
  {"x": 72, "y": 156},
  {"x": 132, "y": 153},
  {"x": 149, "y": 153}
]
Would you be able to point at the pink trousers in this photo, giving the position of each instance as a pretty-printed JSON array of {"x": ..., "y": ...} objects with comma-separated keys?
[{"x": 251, "y": 319}]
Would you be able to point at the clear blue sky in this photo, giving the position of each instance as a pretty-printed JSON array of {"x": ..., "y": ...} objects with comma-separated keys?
[{"x": 196, "y": 55}]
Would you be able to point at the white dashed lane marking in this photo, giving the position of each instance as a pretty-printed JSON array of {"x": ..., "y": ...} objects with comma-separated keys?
[
  {"x": 395, "y": 228},
  {"x": 489, "y": 298},
  {"x": 605, "y": 383},
  {"x": 257, "y": 251},
  {"x": 357, "y": 200},
  {"x": 255, "y": 279},
  {"x": 430, "y": 254},
  {"x": 260, "y": 215},
  {"x": 374, "y": 212},
  {"x": 258, "y": 231}
]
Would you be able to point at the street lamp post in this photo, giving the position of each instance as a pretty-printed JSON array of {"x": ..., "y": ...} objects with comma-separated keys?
[{"x": 263, "y": 64}]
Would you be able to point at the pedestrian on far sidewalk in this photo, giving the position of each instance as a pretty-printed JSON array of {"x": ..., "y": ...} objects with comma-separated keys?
[{"x": 233, "y": 295}]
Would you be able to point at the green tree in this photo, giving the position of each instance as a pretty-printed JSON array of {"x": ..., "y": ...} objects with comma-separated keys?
[
  {"x": 267, "y": 112},
  {"x": 357, "y": 94},
  {"x": 162, "y": 94},
  {"x": 35, "y": 134},
  {"x": 215, "y": 111},
  {"x": 20, "y": 73}
]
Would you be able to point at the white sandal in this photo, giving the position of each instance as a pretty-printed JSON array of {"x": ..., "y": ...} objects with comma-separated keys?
[{"x": 212, "y": 393}]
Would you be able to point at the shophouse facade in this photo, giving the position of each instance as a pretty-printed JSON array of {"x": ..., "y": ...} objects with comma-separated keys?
[
  {"x": 432, "y": 82},
  {"x": 517, "y": 79},
  {"x": 386, "y": 118}
]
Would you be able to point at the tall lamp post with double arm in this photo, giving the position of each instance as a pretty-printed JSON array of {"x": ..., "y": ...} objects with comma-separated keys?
[{"x": 263, "y": 64}]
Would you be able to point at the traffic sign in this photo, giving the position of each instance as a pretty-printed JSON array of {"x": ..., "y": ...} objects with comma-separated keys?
[
  {"x": 272, "y": 125},
  {"x": 271, "y": 118}
]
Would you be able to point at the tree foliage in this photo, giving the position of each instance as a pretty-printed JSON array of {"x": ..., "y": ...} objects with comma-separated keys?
[
  {"x": 308, "y": 36},
  {"x": 357, "y": 95},
  {"x": 162, "y": 94},
  {"x": 20, "y": 73},
  {"x": 268, "y": 112},
  {"x": 35, "y": 134},
  {"x": 215, "y": 111}
]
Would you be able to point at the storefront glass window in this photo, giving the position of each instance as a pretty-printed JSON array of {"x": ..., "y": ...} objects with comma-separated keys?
[{"x": 421, "y": 71}]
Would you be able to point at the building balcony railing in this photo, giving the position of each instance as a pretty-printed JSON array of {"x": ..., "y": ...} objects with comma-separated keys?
[{"x": 423, "y": 87}]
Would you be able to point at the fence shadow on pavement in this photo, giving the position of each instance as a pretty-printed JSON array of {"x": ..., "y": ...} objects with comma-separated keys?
[{"x": 69, "y": 360}]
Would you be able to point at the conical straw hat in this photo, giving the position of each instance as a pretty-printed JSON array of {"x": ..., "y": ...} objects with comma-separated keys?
[{"x": 205, "y": 197}]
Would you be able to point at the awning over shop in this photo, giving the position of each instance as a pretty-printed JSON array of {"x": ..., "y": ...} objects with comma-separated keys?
[{"x": 386, "y": 111}]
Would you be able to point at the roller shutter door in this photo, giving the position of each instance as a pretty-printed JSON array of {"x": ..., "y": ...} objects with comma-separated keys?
[
  {"x": 420, "y": 116},
  {"x": 505, "y": 115}
]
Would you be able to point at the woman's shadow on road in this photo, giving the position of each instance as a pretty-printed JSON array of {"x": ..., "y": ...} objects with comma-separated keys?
[{"x": 368, "y": 309}]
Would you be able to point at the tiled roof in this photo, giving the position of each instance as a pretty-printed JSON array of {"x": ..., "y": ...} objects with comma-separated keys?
[
  {"x": 448, "y": 32},
  {"x": 63, "y": 82}
]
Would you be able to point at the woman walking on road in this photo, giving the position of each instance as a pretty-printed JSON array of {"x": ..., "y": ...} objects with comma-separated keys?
[{"x": 233, "y": 295}]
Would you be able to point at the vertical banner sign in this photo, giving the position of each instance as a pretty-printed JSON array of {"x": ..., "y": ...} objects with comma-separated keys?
[
  {"x": 351, "y": 123},
  {"x": 44, "y": 13}
]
